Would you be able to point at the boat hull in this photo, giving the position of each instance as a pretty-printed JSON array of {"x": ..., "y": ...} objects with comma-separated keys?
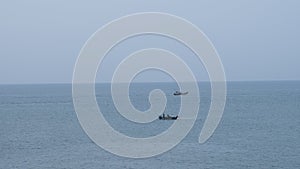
[
  {"x": 167, "y": 117},
  {"x": 178, "y": 94}
]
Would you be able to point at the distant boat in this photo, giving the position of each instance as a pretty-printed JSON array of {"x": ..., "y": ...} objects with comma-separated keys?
[
  {"x": 177, "y": 93},
  {"x": 167, "y": 117}
]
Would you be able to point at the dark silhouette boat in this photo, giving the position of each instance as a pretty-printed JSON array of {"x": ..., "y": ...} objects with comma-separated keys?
[
  {"x": 178, "y": 93},
  {"x": 167, "y": 117}
]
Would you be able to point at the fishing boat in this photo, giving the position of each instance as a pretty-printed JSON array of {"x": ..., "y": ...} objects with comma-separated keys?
[
  {"x": 167, "y": 117},
  {"x": 178, "y": 93}
]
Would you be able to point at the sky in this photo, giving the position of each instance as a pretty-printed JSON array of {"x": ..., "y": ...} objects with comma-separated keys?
[{"x": 40, "y": 40}]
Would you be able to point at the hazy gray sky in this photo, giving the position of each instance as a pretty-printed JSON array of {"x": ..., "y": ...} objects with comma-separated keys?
[{"x": 256, "y": 39}]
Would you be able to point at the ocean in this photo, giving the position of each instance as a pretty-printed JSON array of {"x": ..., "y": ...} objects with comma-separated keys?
[{"x": 260, "y": 128}]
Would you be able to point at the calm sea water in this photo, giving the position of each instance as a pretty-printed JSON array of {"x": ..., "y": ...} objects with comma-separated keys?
[{"x": 260, "y": 128}]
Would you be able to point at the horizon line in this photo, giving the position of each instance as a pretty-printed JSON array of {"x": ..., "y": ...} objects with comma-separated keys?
[{"x": 204, "y": 81}]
